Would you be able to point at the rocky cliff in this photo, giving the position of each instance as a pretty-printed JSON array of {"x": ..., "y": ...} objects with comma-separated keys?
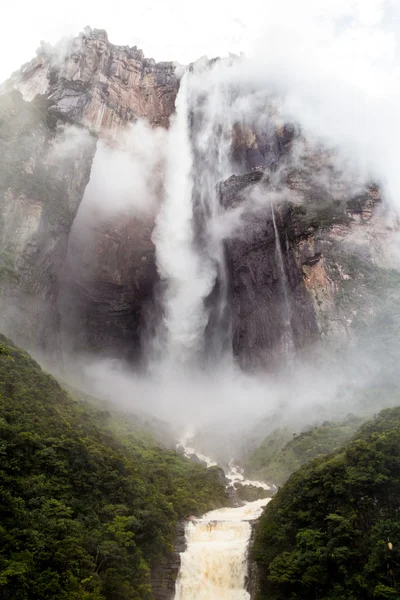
[
  {"x": 42, "y": 180},
  {"x": 52, "y": 112},
  {"x": 308, "y": 271},
  {"x": 100, "y": 85},
  {"x": 336, "y": 259}
]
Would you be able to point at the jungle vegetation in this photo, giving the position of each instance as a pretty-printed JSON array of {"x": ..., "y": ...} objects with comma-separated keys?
[
  {"x": 85, "y": 514},
  {"x": 332, "y": 532}
]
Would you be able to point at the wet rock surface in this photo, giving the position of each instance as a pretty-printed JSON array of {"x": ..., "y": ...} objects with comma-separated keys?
[
  {"x": 42, "y": 182},
  {"x": 165, "y": 574},
  {"x": 319, "y": 241}
]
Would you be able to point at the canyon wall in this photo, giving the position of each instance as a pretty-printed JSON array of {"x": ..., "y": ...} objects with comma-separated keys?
[
  {"x": 337, "y": 257},
  {"x": 77, "y": 279},
  {"x": 43, "y": 175},
  {"x": 52, "y": 112}
]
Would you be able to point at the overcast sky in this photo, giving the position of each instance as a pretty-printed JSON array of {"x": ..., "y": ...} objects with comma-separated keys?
[{"x": 183, "y": 30}]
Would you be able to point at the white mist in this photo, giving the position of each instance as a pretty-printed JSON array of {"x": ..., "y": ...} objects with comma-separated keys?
[{"x": 186, "y": 281}]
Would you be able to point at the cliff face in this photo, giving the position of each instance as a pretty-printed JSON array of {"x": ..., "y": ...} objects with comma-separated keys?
[
  {"x": 335, "y": 257},
  {"x": 318, "y": 282},
  {"x": 107, "y": 283},
  {"x": 72, "y": 94},
  {"x": 258, "y": 294},
  {"x": 42, "y": 180},
  {"x": 90, "y": 81}
]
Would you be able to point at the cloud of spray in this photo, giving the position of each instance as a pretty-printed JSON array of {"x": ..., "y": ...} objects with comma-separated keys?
[
  {"x": 226, "y": 401},
  {"x": 335, "y": 75},
  {"x": 127, "y": 173},
  {"x": 338, "y": 78},
  {"x": 126, "y": 186},
  {"x": 69, "y": 143}
]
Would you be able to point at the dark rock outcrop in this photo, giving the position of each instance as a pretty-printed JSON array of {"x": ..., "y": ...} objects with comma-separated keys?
[
  {"x": 43, "y": 174},
  {"x": 165, "y": 574},
  {"x": 107, "y": 285},
  {"x": 318, "y": 239}
]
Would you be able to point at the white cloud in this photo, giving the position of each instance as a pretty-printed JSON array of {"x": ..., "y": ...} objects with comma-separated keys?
[
  {"x": 127, "y": 173},
  {"x": 183, "y": 31}
]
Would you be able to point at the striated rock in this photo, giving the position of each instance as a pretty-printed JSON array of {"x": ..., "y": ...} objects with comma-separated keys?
[
  {"x": 98, "y": 88},
  {"x": 320, "y": 240},
  {"x": 90, "y": 81},
  {"x": 43, "y": 174}
]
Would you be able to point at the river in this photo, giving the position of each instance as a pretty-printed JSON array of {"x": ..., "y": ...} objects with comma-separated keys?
[{"x": 214, "y": 565}]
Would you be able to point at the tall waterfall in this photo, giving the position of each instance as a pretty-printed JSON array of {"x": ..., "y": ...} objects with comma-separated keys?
[
  {"x": 186, "y": 279},
  {"x": 190, "y": 257},
  {"x": 212, "y": 122},
  {"x": 214, "y": 566}
]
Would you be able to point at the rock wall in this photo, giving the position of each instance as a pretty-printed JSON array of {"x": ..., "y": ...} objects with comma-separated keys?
[
  {"x": 88, "y": 86},
  {"x": 257, "y": 292},
  {"x": 333, "y": 252},
  {"x": 165, "y": 574},
  {"x": 107, "y": 285},
  {"x": 43, "y": 174},
  {"x": 100, "y": 85}
]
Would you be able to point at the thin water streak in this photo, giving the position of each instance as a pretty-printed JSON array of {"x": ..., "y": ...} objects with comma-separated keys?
[{"x": 287, "y": 334}]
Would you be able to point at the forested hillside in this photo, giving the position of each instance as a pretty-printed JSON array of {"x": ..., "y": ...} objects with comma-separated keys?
[
  {"x": 84, "y": 515},
  {"x": 281, "y": 453},
  {"x": 332, "y": 532}
]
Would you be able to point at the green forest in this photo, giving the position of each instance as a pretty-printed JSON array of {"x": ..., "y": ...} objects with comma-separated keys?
[
  {"x": 332, "y": 532},
  {"x": 85, "y": 513},
  {"x": 281, "y": 453},
  {"x": 90, "y": 503}
]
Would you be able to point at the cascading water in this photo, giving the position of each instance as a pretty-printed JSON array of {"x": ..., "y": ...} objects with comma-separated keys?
[
  {"x": 186, "y": 278},
  {"x": 212, "y": 141},
  {"x": 214, "y": 565},
  {"x": 287, "y": 334},
  {"x": 190, "y": 256}
]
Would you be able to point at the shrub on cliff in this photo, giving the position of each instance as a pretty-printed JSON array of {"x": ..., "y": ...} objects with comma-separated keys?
[
  {"x": 84, "y": 515},
  {"x": 333, "y": 530}
]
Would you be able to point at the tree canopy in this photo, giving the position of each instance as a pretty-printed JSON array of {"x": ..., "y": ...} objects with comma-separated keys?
[
  {"x": 332, "y": 532},
  {"x": 84, "y": 515},
  {"x": 281, "y": 453}
]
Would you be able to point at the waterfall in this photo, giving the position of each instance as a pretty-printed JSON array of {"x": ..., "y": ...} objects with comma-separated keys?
[
  {"x": 187, "y": 280},
  {"x": 214, "y": 565},
  {"x": 212, "y": 141},
  {"x": 287, "y": 335},
  {"x": 190, "y": 256}
]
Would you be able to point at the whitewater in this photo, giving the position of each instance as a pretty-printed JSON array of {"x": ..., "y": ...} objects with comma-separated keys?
[{"x": 214, "y": 565}]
